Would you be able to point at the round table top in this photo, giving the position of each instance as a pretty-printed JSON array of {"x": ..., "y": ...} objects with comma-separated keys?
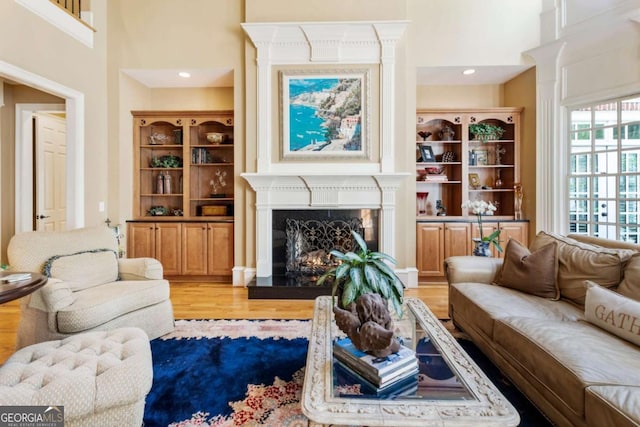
[{"x": 24, "y": 284}]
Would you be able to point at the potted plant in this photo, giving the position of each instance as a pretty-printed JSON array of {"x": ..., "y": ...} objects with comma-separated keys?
[
  {"x": 485, "y": 131},
  {"x": 480, "y": 208},
  {"x": 365, "y": 284}
]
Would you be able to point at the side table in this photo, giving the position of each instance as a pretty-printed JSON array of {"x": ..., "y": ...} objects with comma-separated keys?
[{"x": 14, "y": 290}]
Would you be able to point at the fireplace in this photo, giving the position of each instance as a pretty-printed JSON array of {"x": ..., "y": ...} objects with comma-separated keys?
[
  {"x": 300, "y": 245},
  {"x": 324, "y": 182},
  {"x": 303, "y": 239}
]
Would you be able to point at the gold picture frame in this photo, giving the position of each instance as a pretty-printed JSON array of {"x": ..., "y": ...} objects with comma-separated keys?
[{"x": 474, "y": 180}]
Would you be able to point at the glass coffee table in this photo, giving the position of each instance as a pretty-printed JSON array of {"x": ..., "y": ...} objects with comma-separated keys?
[{"x": 450, "y": 389}]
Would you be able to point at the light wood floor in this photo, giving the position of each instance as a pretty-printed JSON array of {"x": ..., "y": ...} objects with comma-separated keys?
[{"x": 223, "y": 301}]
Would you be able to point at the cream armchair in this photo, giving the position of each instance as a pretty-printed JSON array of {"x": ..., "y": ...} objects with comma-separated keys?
[{"x": 89, "y": 287}]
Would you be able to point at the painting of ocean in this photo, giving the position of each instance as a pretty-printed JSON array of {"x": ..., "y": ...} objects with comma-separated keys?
[{"x": 305, "y": 127}]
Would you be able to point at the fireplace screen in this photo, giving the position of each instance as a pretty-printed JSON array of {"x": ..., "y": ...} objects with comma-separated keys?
[{"x": 309, "y": 242}]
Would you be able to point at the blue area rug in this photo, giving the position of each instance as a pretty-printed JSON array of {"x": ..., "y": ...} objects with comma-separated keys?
[
  {"x": 224, "y": 373},
  {"x": 203, "y": 366}
]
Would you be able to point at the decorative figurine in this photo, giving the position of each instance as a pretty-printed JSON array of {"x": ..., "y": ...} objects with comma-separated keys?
[
  {"x": 517, "y": 200},
  {"x": 500, "y": 150},
  {"x": 440, "y": 209},
  {"x": 424, "y": 135},
  {"x": 446, "y": 134}
]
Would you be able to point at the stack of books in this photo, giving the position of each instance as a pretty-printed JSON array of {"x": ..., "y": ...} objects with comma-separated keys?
[
  {"x": 393, "y": 375},
  {"x": 436, "y": 177}
]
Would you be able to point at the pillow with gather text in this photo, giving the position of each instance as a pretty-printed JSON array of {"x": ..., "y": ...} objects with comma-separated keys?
[
  {"x": 83, "y": 270},
  {"x": 530, "y": 272},
  {"x": 612, "y": 312}
]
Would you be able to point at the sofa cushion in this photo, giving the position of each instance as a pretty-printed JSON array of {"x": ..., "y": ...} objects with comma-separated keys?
[
  {"x": 613, "y": 312},
  {"x": 57, "y": 295},
  {"x": 530, "y": 272},
  {"x": 613, "y": 406},
  {"x": 484, "y": 303},
  {"x": 567, "y": 357},
  {"x": 630, "y": 285},
  {"x": 578, "y": 262},
  {"x": 90, "y": 309},
  {"x": 84, "y": 269}
]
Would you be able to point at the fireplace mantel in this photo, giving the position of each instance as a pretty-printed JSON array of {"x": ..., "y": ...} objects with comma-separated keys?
[
  {"x": 322, "y": 191},
  {"x": 298, "y": 191}
]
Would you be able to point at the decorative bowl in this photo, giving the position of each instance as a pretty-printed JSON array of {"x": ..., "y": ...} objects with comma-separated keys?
[
  {"x": 434, "y": 170},
  {"x": 215, "y": 137}
]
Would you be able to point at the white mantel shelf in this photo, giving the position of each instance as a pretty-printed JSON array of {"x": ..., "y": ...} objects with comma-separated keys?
[{"x": 322, "y": 191}]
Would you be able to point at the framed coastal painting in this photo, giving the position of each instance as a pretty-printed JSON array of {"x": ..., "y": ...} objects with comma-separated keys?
[{"x": 324, "y": 114}]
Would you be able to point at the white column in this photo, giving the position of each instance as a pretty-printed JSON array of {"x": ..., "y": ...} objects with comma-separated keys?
[
  {"x": 551, "y": 154},
  {"x": 388, "y": 36},
  {"x": 262, "y": 37}
]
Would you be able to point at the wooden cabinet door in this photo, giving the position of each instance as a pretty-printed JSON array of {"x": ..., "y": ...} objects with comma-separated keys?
[
  {"x": 141, "y": 240},
  {"x": 220, "y": 241},
  {"x": 194, "y": 248},
  {"x": 456, "y": 239},
  {"x": 513, "y": 230},
  {"x": 168, "y": 246},
  {"x": 430, "y": 253}
]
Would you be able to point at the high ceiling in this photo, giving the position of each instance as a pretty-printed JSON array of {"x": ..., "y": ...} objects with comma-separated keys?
[
  {"x": 169, "y": 78},
  {"x": 484, "y": 75}
]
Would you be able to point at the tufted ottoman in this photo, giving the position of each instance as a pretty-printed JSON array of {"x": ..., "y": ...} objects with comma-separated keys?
[{"x": 101, "y": 378}]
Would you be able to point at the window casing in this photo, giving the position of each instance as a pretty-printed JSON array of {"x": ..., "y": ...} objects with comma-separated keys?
[{"x": 604, "y": 148}]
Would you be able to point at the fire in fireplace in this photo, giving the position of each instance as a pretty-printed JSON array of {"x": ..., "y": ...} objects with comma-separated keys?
[
  {"x": 309, "y": 243},
  {"x": 303, "y": 239}
]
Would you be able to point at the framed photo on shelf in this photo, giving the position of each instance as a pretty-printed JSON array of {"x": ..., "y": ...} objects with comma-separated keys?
[
  {"x": 427, "y": 154},
  {"x": 474, "y": 181},
  {"x": 324, "y": 114},
  {"x": 482, "y": 157}
]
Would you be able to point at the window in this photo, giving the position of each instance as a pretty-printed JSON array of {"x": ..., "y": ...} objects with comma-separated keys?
[{"x": 604, "y": 177}]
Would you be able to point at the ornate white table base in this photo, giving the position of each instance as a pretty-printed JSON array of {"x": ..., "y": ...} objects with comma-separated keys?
[{"x": 487, "y": 406}]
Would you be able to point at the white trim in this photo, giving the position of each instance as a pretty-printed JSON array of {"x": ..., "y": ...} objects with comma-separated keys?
[
  {"x": 75, "y": 136},
  {"x": 24, "y": 163},
  {"x": 60, "y": 19}
]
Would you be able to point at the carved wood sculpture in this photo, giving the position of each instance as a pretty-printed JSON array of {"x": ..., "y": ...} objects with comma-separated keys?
[{"x": 368, "y": 324}]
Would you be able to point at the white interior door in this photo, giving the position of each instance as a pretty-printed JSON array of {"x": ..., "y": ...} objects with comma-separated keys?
[{"x": 50, "y": 170}]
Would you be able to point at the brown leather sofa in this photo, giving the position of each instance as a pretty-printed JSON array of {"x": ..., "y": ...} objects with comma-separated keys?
[{"x": 577, "y": 373}]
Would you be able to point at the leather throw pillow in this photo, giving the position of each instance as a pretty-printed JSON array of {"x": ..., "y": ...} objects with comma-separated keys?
[
  {"x": 530, "y": 272},
  {"x": 612, "y": 312}
]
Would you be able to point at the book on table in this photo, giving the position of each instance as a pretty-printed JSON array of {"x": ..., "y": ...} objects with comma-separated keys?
[
  {"x": 377, "y": 370},
  {"x": 346, "y": 378}
]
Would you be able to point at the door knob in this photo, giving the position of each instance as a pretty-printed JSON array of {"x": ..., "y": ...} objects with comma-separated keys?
[{"x": 42, "y": 216}]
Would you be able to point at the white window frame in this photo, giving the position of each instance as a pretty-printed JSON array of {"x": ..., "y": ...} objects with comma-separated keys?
[{"x": 596, "y": 211}]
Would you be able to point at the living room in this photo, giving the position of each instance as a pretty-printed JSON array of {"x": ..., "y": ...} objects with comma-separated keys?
[{"x": 544, "y": 57}]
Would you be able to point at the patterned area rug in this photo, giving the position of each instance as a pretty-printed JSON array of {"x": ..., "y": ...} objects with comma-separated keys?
[
  {"x": 249, "y": 373},
  {"x": 229, "y": 373}
]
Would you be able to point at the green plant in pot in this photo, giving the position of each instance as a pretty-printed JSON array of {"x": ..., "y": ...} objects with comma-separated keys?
[
  {"x": 485, "y": 131},
  {"x": 365, "y": 285}
]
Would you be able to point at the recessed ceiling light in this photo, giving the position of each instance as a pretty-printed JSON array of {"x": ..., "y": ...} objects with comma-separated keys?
[
  {"x": 468, "y": 71},
  {"x": 184, "y": 74}
]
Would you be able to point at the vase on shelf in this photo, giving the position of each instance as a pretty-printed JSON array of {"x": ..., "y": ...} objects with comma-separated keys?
[
  {"x": 422, "y": 203},
  {"x": 481, "y": 247}
]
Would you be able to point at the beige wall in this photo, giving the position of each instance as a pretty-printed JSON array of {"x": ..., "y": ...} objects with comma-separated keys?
[
  {"x": 31, "y": 44},
  {"x": 521, "y": 92},
  {"x": 167, "y": 34}
]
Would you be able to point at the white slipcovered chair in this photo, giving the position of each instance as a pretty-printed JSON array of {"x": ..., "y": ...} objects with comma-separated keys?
[{"x": 89, "y": 287}]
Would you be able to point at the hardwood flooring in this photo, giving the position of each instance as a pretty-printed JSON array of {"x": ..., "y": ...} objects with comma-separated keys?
[{"x": 223, "y": 301}]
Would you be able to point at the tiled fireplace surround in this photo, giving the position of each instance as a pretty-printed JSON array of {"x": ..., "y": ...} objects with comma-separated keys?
[{"x": 308, "y": 185}]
